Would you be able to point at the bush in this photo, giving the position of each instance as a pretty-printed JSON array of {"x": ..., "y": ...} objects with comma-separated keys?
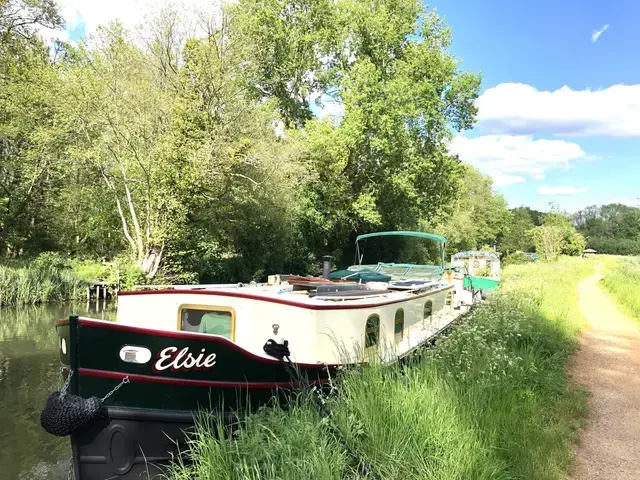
[{"x": 515, "y": 259}]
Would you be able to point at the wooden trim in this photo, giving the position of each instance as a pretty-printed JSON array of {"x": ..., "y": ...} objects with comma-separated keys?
[
  {"x": 182, "y": 335},
  {"x": 282, "y": 301},
  {"x": 134, "y": 377},
  {"x": 209, "y": 308}
]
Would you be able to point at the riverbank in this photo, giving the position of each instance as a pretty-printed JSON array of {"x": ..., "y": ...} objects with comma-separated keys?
[
  {"x": 53, "y": 278},
  {"x": 39, "y": 281},
  {"x": 622, "y": 281},
  {"x": 490, "y": 401}
]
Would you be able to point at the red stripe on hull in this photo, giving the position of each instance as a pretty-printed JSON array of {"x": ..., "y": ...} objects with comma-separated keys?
[
  {"x": 88, "y": 322},
  {"x": 88, "y": 372},
  {"x": 280, "y": 301}
]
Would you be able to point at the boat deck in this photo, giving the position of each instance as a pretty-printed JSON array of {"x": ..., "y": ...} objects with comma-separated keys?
[{"x": 310, "y": 293}]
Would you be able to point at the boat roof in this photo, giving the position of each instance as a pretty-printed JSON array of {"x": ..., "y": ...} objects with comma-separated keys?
[
  {"x": 430, "y": 236},
  {"x": 476, "y": 253}
]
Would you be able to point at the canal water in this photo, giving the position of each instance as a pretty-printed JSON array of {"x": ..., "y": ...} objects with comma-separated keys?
[{"x": 29, "y": 372}]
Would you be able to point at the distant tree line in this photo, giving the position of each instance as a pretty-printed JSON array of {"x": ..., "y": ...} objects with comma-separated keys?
[{"x": 612, "y": 228}]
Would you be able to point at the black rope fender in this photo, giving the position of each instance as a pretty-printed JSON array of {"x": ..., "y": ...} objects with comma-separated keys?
[
  {"x": 280, "y": 351},
  {"x": 64, "y": 412}
]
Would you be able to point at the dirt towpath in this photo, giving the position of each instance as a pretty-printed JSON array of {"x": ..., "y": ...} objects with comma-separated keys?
[{"x": 608, "y": 364}]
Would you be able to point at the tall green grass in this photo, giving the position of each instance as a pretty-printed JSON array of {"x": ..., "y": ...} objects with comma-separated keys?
[
  {"x": 40, "y": 281},
  {"x": 490, "y": 401},
  {"x": 622, "y": 281}
]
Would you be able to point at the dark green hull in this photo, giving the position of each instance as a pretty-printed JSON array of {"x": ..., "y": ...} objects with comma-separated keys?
[{"x": 148, "y": 416}]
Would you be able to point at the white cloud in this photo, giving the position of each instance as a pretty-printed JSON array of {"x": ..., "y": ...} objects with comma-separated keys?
[
  {"x": 596, "y": 33},
  {"x": 501, "y": 180},
  {"x": 626, "y": 201},
  {"x": 510, "y": 159},
  {"x": 519, "y": 109},
  {"x": 560, "y": 190}
]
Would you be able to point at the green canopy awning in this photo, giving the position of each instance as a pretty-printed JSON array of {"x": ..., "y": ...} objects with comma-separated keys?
[{"x": 430, "y": 236}]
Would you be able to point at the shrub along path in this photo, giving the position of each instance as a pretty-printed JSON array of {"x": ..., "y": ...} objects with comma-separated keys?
[{"x": 608, "y": 364}]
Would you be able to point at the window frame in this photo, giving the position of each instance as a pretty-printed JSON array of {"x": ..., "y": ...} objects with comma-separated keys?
[
  {"x": 208, "y": 308},
  {"x": 395, "y": 325},
  {"x": 373, "y": 348},
  {"x": 424, "y": 308}
]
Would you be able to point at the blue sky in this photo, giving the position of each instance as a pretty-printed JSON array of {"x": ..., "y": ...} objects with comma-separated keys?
[
  {"x": 547, "y": 45},
  {"x": 559, "y": 112}
]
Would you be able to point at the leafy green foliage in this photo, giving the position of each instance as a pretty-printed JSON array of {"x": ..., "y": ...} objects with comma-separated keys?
[
  {"x": 556, "y": 236},
  {"x": 613, "y": 228},
  {"x": 382, "y": 165},
  {"x": 480, "y": 216},
  {"x": 515, "y": 259}
]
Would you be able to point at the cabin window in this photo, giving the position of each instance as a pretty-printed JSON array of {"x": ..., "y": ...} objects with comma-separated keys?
[
  {"x": 371, "y": 335},
  {"x": 428, "y": 309},
  {"x": 206, "y": 319},
  {"x": 399, "y": 325}
]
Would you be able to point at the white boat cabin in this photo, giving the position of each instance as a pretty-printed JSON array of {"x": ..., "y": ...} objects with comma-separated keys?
[{"x": 331, "y": 321}]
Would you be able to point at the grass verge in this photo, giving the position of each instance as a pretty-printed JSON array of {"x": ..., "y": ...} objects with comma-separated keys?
[
  {"x": 490, "y": 401},
  {"x": 622, "y": 281}
]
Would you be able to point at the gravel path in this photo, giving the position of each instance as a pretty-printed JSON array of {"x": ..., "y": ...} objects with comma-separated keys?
[{"x": 608, "y": 364}]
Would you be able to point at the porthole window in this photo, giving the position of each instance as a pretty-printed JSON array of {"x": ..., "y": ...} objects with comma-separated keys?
[
  {"x": 428, "y": 309},
  {"x": 371, "y": 336},
  {"x": 399, "y": 325},
  {"x": 206, "y": 319}
]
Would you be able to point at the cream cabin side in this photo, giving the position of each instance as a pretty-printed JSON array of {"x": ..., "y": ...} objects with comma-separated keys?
[
  {"x": 393, "y": 327},
  {"x": 248, "y": 322}
]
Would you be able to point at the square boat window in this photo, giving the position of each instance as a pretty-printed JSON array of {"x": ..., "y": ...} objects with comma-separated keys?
[{"x": 208, "y": 320}]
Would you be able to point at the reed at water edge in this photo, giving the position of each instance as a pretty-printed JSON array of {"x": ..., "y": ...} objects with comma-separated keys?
[
  {"x": 489, "y": 401},
  {"x": 622, "y": 281},
  {"x": 35, "y": 283}
]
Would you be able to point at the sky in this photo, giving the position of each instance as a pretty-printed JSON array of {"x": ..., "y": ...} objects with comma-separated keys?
[{"x": 559, "y": 110}]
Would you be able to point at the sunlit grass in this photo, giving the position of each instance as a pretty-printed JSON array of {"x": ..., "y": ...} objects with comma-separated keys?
[
  {"x": 490, "y": 401},
  {"x": 622, "y": 281},
  {"x": 30, "y": 285}
]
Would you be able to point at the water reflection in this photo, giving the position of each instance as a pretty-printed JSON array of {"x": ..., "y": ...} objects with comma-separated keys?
[{"x": 29, "y": 371}]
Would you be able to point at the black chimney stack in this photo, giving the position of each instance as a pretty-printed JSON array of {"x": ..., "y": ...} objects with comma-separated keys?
[{"x": 326, "y": 267}]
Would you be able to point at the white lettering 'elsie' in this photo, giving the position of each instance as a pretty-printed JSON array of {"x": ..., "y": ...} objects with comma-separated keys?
[{"x": 170, "y": 357}]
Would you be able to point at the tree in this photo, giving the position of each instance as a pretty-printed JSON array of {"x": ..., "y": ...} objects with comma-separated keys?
[
  {"x": 480, "y": 216},
  {"x": 517, "y": 235},
  {"x": 548, "y": 240},
  {"x": 383, "y": 164},
  {"x": 29, "y": 89},
  {"x": 612, "y": 228},
  {"x": 20, "y": 19},
  {"x": 557, "y": 236}
]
